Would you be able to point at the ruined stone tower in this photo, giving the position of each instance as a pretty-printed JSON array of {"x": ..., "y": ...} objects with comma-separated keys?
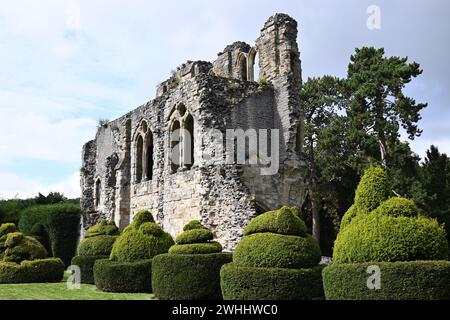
[{"x": 129, "y": 165}]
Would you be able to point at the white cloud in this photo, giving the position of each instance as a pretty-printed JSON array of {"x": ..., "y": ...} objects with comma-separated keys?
[{"x": 12, "y": 186}]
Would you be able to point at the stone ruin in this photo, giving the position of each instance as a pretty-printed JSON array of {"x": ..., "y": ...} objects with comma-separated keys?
[{"x": 129, "y": 167}]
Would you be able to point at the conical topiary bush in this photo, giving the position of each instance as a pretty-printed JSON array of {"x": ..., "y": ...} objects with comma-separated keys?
[
  {"x": 276, "y": 260},
  {"x": 97, "y": 244},
  {"x": 406, "y": 249},
  {"x": 129, "y": 267},
  {"x": 191, "y": 269}
]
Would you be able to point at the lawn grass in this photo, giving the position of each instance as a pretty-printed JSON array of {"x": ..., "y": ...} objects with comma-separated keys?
[{"x": 59, "y": 291}]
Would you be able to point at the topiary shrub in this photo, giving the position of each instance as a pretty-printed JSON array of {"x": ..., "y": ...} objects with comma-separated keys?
[
  {"x": 61, "y": 223},
  {"x": 97, "y": 244},
  {"x": 413, "y": 280},
  {"x": 398, "y": 207},
  {"x": 245, "y": 283},
  {"x": 35, "y": 271},
  {"x": 393, "y": 236},
  {"x": 282, "y": 221},
  {"x": 18, "y": 248},
  {"x": 126, "y": 277},
  {"x": 102, "y": 228},
  {"x": 191, "y": 269},
  {"x": 373, "y": 189},
  {"x": 276, "y": 259},
  {"x": 86, "y": 265},
  {"x": 131, "y": 254},
  {"x": 22, "y": 259},
  {"x": 386, "y": 238}
]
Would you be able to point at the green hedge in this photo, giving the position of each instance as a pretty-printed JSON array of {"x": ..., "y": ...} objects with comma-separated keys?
[
  {"x": 270, "y": 250},
  {"x": 283, "y": 221},
  {"x": 194, "y": 224},
  {"x": 418, "y": 280},
  {"x": 241, "y": 283},
  {"x": 375, "y": 237},
  {"x": 188, "y": 277},
  {"x": 36, "y": 271},
  {"x": 96, "y": 246},
  {"x": 86, "y": 264},
  {"x": 62, "y": 224},
  {"x": 126, "y": 277}
]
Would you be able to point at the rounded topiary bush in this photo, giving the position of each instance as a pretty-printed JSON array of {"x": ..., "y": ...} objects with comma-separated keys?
[
  {"x": 140, "y": 244},
  {"x": 392, "y": 237},
  {"x": 97, "y": 245},
  {"x": 271, "y": 250},
  {"x": 276, "y": 259},
  {"x": 398, "y": 207},
  {"x": 387, "y": 238},
  {"x": 191, "y": 269},
  {"x": 127, "y": 268},
  {"x": 23, "y": 259},
  {"x": 373, "y": 189}
]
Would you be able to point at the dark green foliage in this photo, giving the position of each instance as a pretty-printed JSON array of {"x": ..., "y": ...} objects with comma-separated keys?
[
  {"x": 18, "y": 248},
  {"x": 36, "y": 271},
  {"x": 142, "y": 217},
  {"x": 270, "y": 250},
  {"x": 283, "y": 221},
  {"x": 194, "y": 224},
  {"x": 127, "y": 277},
  {"x": 188, "y": 277},
  {"x": 196, "y": 248},
  {"x": 86, "y": 264},
  {"x": 62, "y": 224},
  {"x": 243, "y": 283},
  {"x": 103, "y": 228},
  {"x": 373, "y": 189},
  {"x": 374, "y": 237},
  {"x": 416, "y": 280},
  {"x": 134, "y": 244},
  {"x": 398, "y": 207},
  {"x": 96, "y": 246},
  {"x": 40, "y": 234},
  {"x": 10, "y": 211},
  {"x": 194, "y": 236}
]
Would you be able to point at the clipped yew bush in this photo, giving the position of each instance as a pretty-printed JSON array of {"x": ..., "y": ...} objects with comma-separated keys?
[
  {"x": 276, "y": 260},
  {"x": 97, "y": 245},
  {"x": 373, "y": 189},
  {"x": 23, "y": 259},
  {"x": 59, "y": 224},
  {"x": 409, "y": 249},
  {"x": 191, "y": 269},
  {"x": 128, "y": 268}
]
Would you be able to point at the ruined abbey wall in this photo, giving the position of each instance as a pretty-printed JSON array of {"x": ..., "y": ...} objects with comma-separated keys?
[{"x": 128, "y": 166}]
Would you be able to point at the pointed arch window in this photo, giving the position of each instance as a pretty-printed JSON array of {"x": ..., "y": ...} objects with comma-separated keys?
[
  {"x": 182, "y": 139},
  {"x": 139, "y": 155}
]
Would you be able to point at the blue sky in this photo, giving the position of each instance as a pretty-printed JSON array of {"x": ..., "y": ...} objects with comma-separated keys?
[{"x": 66, "y": 64}]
